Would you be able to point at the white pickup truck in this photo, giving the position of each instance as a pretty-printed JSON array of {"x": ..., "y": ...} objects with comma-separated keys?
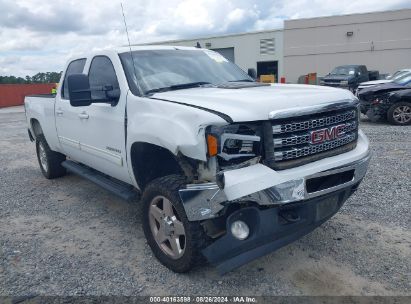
[{"x": 228, "y": 169}]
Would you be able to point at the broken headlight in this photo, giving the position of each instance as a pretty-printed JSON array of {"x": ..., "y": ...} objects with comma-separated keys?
[{"x": 234, "y": 143}]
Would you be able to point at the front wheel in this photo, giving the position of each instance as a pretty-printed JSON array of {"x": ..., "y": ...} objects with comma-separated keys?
[
  {"x": 176, "y": 242},
  {"x": 400, "y": 113}
]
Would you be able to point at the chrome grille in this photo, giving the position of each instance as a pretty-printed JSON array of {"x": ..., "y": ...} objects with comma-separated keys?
[
  {"x": 305, "y": 138},
  {"x": 312, "y": 149},
  {"x": 314, "y": 123},
  {"x": 295, "y": 141}
]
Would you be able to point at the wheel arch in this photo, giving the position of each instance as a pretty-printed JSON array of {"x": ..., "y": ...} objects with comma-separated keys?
[
  {"x": 150, "y": 161},
  {"x": 36, "y": 128}
]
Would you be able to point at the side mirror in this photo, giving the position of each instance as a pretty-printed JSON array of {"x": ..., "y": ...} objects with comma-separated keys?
[
  {"x": 79, "y": 90},
  {"x": 252, "y": 73},
  {"x": 111, "y": 93}
]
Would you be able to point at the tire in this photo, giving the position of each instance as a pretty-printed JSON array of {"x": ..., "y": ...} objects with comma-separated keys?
[
  {"x": 49, "y": 161},
  {"x": 400, "y": 114},
  {"x": 157, "y": 193}
]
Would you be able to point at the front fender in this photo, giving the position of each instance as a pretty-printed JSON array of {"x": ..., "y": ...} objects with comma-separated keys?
[{"x": 175, "y": 127}]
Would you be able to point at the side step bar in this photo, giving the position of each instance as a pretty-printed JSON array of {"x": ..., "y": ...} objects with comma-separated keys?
[{"x": 119, "y": 188}]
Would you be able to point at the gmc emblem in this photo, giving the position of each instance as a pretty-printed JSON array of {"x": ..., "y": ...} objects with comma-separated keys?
[{"x": 322, "y": 135}]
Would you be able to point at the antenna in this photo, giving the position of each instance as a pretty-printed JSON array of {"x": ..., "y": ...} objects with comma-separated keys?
[{"x": 128, "y": 38}]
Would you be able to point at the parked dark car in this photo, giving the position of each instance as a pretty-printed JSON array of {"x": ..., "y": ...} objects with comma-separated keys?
[
  {"x": 349, "y": 76},
  {"x": 389, "y": 100},
  {"x": 396, "y": 75}
]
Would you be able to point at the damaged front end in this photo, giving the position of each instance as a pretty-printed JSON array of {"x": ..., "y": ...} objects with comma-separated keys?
[
  {"x": 274, "y": 216},
  {"x": 274, "y": 184},
  {"x": 376, "y": 107}
]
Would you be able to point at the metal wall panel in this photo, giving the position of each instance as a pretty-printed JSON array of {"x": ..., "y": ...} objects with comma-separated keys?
[{"x": 13, "y": 94}]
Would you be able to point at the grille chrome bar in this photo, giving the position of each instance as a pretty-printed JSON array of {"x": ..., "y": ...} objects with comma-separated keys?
[
  {"x": 314, "y": 149},
  {"x": 323, "y": 121},
  {"x": 305, "y": 138}
]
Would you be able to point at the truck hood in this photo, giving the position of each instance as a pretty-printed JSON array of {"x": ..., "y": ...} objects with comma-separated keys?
[{"x": 255, "y": 103}]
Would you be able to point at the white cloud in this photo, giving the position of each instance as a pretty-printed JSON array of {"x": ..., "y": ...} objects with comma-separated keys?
[
  {"x": 39, "y": 35},
  {"x": 193, "y": 13}
]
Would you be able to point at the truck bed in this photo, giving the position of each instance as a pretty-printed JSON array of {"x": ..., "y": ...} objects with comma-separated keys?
[
  {"x": 40, "y": 109},
  {"x": 42, "y": 95}
]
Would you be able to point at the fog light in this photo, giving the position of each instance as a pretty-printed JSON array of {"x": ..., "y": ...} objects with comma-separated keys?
[{"x": 240, "y": 230}]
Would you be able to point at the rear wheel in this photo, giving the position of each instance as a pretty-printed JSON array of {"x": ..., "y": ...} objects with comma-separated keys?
[
  {"x": 49, "y": 161},
  {"x": 175, "y": 241},
  {"x": 400, "y": 113}
]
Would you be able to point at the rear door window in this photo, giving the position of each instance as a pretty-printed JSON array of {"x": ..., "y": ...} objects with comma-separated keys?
[{"x": 75, "y": 67}]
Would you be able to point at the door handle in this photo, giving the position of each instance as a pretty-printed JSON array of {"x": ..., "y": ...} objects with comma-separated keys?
[
  {"x": 59, "y": 112},
  {"x": 83, "y": 115}
]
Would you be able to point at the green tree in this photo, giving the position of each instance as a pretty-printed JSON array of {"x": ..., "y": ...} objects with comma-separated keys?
[{"x": 41, "y": 77}]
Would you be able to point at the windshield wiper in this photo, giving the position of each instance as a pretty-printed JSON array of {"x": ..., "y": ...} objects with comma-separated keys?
[
  {"x": 178, "y": 87},
  {"x": 242, "y": 80}
]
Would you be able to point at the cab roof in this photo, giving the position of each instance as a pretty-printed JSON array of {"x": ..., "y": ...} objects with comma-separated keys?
[{"x": 124, "y": 49}]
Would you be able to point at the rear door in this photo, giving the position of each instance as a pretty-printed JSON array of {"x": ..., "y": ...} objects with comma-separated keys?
[
  {"x": 67, "y": 120},
  {"x": 102, "y": 136}
]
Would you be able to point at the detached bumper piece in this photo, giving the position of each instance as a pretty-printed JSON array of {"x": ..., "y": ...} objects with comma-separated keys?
[{"x": 271, "y": 229}]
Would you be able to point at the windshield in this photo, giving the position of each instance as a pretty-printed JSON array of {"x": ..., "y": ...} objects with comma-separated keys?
[
  {"x": 343, "y": 70},
  {"x": 404, "y": 80},
  {"x": 401, "y": 75},
  {"x": 398, "y": 74},
  {"x": 162, "y": 70}
]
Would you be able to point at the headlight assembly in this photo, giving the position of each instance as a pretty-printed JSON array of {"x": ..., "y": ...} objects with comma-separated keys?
[{"x": 235, "y": 142}]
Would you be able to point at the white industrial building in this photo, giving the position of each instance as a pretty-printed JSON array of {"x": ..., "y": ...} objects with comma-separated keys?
[{"x": 380, "y": 40}]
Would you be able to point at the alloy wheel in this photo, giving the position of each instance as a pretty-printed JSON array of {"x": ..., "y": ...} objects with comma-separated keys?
[
  {"x": 402, "y": 114},
  {"x": 167, "y": 229},
  {"x": 43, "y": 157}
]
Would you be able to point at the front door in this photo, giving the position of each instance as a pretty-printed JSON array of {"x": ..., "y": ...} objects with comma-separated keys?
[{"x": 102, "y": 138}]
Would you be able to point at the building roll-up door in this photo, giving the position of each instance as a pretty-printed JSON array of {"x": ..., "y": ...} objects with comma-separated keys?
[{"x": 228, "y": 53}]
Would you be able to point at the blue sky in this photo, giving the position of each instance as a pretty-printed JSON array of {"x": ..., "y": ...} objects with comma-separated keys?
[{"x": 38, "y": 35}]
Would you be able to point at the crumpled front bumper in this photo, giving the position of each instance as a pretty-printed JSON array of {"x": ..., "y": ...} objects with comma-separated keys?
[{"x": 271, "y": 229}]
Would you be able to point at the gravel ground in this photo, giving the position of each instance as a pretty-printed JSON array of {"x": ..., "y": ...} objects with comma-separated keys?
[{"x": 69, "y": 237}]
